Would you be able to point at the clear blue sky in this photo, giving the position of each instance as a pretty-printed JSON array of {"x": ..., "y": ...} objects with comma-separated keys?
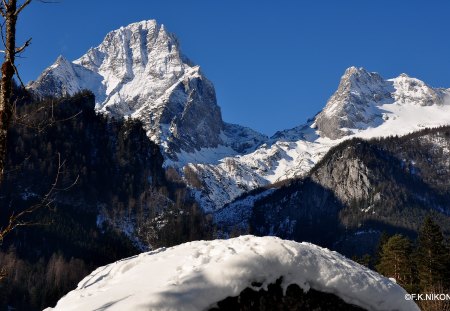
[{"x": 273, "y": 63}]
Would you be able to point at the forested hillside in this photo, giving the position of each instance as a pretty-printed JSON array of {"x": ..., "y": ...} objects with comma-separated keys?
[
  {"x": 102, "y": 195},
  {"x": 361, "y": 188}
]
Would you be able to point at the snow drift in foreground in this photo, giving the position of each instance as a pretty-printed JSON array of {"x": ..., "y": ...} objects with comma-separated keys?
[{"x": 196, "y": 275}]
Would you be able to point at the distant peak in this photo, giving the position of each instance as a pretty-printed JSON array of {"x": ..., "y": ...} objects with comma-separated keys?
[
  {"x": 347, "y": 108},
  {"x": 406, "y": 79},
  {"x": 354, "y": 70},
  {"x": 61, "y": 59},
  {"x": 61, "y": 62},
  {"x": 138, "y": 27},
  {"x": 359, "y": 72},
  {"x": 146, "y": 24},
  {"x": 144, "y": 29},
  {"x": 354, "y": 77}
]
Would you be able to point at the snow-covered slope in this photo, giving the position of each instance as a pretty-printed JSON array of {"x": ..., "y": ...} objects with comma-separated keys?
[
  {"x": 194, "y": 276},
  {"x": 139, "y": 71},
  {"x": 354, "y": 104},
  {"x": 365, "y": 105}
]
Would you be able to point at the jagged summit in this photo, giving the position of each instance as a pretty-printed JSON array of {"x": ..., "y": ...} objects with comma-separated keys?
[
  {"x": 352, "y": 105},
  {"x": 139, "y": 59},
  {"x": 66, "y": 78},
  {"x": 413, "y": 90},
  {"x": 139, "y": 71},
  {"x": 359, "y": 78},
  {"x": 364, "y": 105},
  {"x": 61, "y": 60},
  {"x": 353, "y": 71},
  {"x": 356, "y": 105}
]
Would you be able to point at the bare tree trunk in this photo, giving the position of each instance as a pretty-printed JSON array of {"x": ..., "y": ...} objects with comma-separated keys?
[{"x": 10, "y": 12}]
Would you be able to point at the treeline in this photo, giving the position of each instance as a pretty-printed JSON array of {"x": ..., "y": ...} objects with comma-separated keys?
[
  {"x": 109, "y": 178},
  {"x": 26, "y": 285},
  {"x": 360, "y": 187},
  {"x": 420, "y": 266}
]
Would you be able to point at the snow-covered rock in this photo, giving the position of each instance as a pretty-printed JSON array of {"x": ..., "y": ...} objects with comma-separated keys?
[
  {"x": 139, "y": 71},
  {"x": 196, "y": 275},
  {"x": 365, "y": 105},
  {"x": 354, "y": 104}
]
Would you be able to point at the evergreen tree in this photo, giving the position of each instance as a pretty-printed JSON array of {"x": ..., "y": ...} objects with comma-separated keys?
[
  {"x": 432, "y": 258},
  {"x": 384, "y": 237},
  {"x": 395, "y": 261}
]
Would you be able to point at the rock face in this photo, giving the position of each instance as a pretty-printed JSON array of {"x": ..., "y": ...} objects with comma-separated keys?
[
  {"x": 364, "y": 105},
  {"x": 353, "y": 104},
  {"x": 409, "y": 89},
  {"x": 356, "y": 103},
  {"x": 291, "y": 299},
  {"x": 65, "y": 78},
  {"x": 360, "y": 189},
  {"x": 138, "y": 71},
  {"x": 347, "y": 175}
]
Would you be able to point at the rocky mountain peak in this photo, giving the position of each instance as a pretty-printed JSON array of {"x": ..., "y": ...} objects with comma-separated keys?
[
  {"x": 139, "y": 71},
  {"x": 359, "y": 79},
  {"x": 61, "y": 61},
  {"x": 351, "y": 106},
  {"x": 133, "y": 48},
  {"x": 65, "y": 78},
  {"x": 415, "y": 91},
  {"x": 136, "y": 61}
]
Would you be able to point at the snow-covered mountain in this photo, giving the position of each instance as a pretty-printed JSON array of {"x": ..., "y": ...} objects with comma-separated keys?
[
  {"x": 364, "y": 105},
  {"x": 197, "y": 275},
  {"x": 138, "y": 71},
  {"x": 357, "y": 103}
]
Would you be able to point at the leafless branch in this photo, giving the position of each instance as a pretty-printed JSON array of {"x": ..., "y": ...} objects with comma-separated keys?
[
  {"x": 41, "y": 126},
  {"x": 18, "y": 76},
  {"x": 27, "y": 2},
  {"x": 16, "y": 220},
  {"x": 18, "y": 166},
  {"x": 5, "y": 5},
  {"x": 70, "y": 186},
  {"x": 23, "y": 47}
]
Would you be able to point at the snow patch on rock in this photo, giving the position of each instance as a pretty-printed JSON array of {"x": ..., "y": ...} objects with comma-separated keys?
[{"x": 365, "y": 105}]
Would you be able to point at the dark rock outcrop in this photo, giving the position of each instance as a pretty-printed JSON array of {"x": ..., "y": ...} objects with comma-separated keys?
[{"x": 273, "y": 299}]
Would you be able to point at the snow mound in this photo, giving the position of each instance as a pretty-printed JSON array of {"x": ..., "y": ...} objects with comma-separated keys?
[{"x": 196, "y": 275}]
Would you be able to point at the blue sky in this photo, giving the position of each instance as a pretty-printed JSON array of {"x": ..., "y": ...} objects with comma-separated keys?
[{"x": 274, "y": 63}]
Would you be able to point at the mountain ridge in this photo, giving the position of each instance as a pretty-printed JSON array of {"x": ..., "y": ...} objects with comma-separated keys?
[
  {"x": 139, "y": 71},
  {"x": 365, "y": 105}
]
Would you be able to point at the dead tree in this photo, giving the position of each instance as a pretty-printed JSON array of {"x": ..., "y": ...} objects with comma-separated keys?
[{"x": 10, "y": 12}]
